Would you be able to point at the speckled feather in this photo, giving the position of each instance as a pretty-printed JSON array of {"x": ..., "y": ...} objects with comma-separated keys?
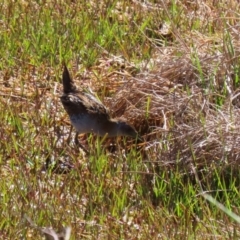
[
  {"x": 88, "y": 115},
  {"x": 75, "y": 101}
]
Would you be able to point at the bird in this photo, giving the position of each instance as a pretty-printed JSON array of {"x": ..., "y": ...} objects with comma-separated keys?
[{"x": 87, "y": 114}]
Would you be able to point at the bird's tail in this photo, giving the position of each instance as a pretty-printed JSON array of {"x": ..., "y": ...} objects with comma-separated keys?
[{"x": 68, "y": 84}]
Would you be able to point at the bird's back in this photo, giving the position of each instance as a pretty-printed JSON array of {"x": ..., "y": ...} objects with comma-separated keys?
[{"x": 76, "y": 102}]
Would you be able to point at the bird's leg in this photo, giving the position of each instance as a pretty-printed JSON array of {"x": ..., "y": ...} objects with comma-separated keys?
[
  {"x": 79, "y": 144},
  {"x": 76, "y": 139},
  {"x": 69, "y": 136}
]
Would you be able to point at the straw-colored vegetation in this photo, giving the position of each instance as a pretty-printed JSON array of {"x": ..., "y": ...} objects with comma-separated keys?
[{"x": 171, "y": 68}]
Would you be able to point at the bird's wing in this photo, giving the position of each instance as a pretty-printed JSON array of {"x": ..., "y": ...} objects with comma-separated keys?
[
  {"x": 94, "y": 105},
  {"x": 84, "y": 103}
]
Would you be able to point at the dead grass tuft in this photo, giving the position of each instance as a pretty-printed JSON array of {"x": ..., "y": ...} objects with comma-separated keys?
[{"x": 176, "y": 108}]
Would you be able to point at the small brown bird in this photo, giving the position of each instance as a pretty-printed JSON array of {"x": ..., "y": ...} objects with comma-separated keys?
[{"x": 88, "y": 115}]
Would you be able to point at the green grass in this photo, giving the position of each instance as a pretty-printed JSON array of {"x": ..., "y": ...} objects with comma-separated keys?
[{"x": 130, "y": 193}]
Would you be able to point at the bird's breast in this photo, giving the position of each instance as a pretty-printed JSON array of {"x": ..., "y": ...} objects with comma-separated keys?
[{"x": 84, "y": 123}]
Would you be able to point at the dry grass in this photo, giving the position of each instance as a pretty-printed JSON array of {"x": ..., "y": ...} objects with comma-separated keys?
[{"x": 171, "y": 69}]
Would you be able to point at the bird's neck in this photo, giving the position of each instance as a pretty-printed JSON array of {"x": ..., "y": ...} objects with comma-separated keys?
[{"x": 112, "y": 128}]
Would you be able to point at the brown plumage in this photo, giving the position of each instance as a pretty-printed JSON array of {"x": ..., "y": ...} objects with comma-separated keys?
[{"x": 88, "y": 115}]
